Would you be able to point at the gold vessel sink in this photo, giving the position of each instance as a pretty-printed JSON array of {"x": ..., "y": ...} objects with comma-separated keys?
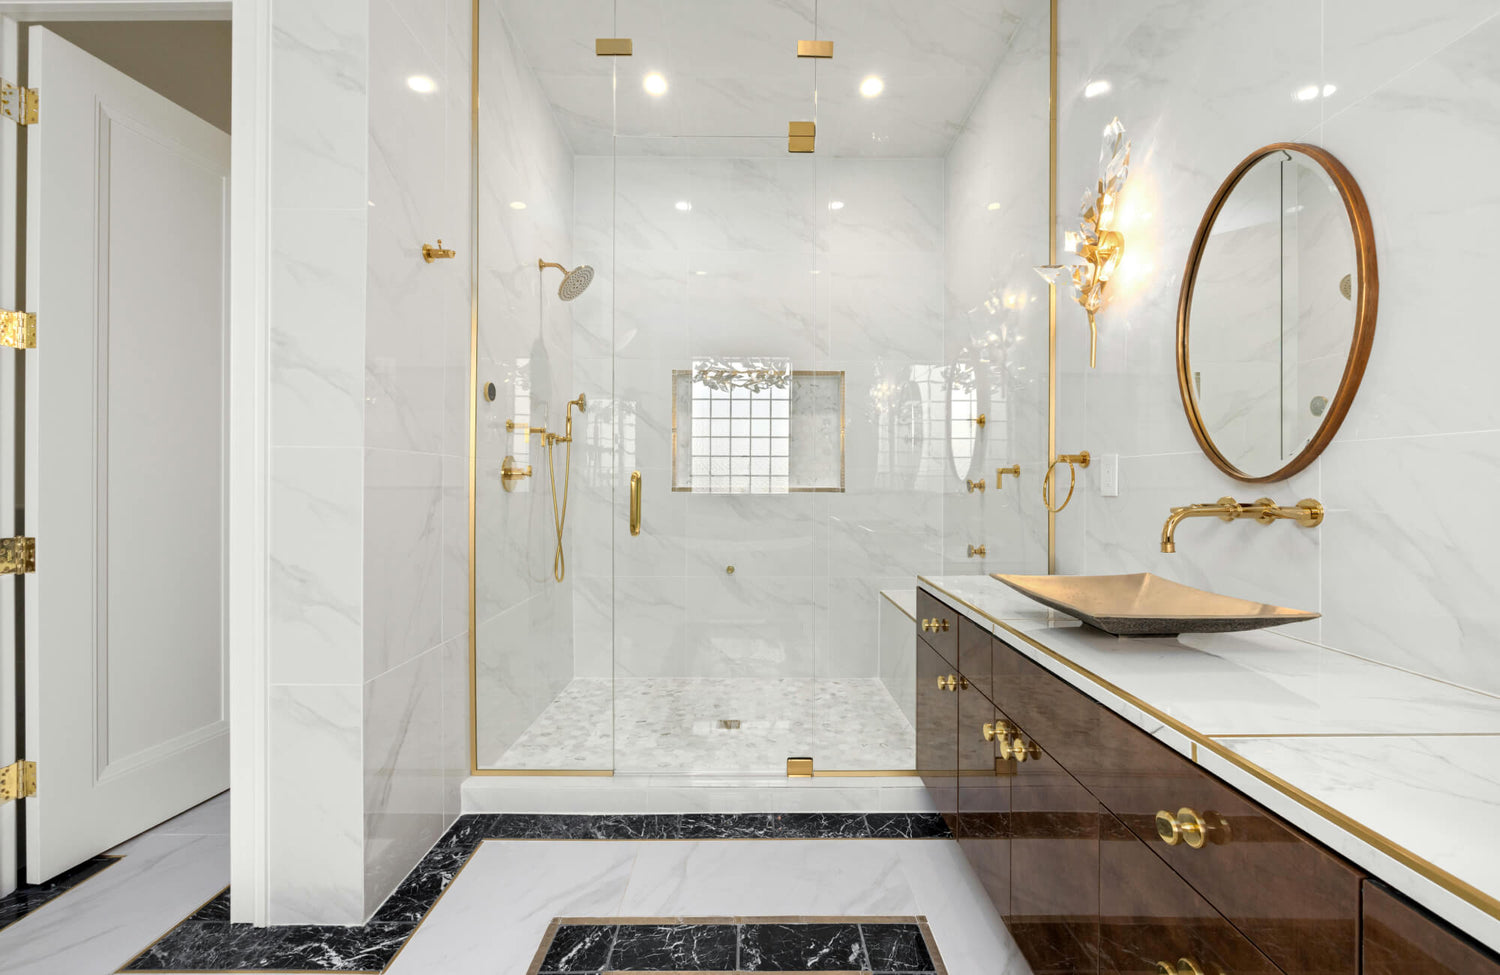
[{"x": 1146, "y": 605}]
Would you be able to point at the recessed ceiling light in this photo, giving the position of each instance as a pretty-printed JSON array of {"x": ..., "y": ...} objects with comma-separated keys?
[
  {"x": 993, "y": 206},
  {"x": 836, "y": 204},
  {"x": 1306, "y": 94},
  {"x": 871, "y": 86},
  {"x": 655, "y": 84},
  {"x": 517, "y": 205},
  {"x": 1329, "y": 90},
  {"x": 422, "y": 84},
  {"x": 1096, "y": 88},
  {"x": 700, "y": 273},
  {"x": 684, "y": 205}
]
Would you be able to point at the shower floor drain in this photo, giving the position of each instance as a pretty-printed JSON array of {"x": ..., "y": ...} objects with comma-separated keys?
[{"x": 729, "y": 724}]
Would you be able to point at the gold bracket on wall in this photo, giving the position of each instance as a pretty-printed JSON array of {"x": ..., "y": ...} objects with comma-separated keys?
[
  {"x": 613, "y": 47},
  {"x": 20, "y": 105},
  {"x": 17, "y": 781},
  {"x": 1013, "y": 470},
  {"x": 17, "y": 329},
  {"x": 438, "y": 253},
  {"x": 815, "y": 49},
  {"x": 17, "y": 556},
  {"x": 799, "y": 768},
  {"x": 800, "y": 136}
]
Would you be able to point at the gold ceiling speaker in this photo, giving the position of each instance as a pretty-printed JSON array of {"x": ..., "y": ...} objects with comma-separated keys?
[{"x": 574, "y": 282}]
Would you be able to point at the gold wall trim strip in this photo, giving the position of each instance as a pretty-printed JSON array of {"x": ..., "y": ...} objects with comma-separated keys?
[
  {"x": 815, "y": 49},
  {"x": 1050, "y": 481},
  {"x": 910, "y": 615},
  {"x": 567, "y": 772},
  {"x": 1429, "y": 871},
  {"x": 473, "y": 385},
  {"x": 614, "y": 47}
]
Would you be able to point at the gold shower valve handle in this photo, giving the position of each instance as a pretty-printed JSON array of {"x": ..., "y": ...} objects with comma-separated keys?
[
  {"x": 431, "y": 253},
  {"x": 975, "y": 485},
  {"x": 1013, "y": 470},
  {"x": 512, "y": 472}
]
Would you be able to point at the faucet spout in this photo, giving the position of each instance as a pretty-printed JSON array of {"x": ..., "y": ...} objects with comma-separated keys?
[{"x": 1226, "y": 509}]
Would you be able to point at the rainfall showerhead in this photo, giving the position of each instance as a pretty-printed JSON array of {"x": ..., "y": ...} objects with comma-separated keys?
[{"x": 574, "y": 282}]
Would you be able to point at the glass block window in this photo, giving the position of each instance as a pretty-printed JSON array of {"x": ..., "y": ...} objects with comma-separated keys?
[{"x": 756, "y": 427}]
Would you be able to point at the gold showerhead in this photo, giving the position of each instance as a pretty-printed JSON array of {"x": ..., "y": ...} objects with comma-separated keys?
[{"x": 574, "y": 282}]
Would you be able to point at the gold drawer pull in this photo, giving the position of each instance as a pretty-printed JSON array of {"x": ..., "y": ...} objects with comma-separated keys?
[
  {"x": 989, "y": 732},
  {"x": 1184, "y": 966},
  {"x": 1019, "y": 749},
  {"x": 934, "y": 626},
  {"x": 1189, "y": 828},
  {"x": 949, "y": 683}
]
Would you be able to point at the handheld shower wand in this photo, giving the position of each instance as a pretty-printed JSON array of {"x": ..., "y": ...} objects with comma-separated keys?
[{"x": 560, "y": 514}]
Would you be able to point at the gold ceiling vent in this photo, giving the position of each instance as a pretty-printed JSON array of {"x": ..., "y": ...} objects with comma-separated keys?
[{"x": 800, "y": 136}]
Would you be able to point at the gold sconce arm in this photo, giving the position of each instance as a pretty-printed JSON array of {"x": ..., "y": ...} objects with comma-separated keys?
[{"x": 1013, "y": 470}]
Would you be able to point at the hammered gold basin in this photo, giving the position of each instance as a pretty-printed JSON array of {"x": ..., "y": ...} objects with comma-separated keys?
[{"x": 1146, "y": 605}]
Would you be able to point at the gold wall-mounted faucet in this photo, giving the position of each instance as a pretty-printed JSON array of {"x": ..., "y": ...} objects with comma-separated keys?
[{"x": 1308, "y": 513}]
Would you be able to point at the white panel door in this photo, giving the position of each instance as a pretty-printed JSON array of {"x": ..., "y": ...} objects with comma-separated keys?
[{"x": 127, "y": 271}]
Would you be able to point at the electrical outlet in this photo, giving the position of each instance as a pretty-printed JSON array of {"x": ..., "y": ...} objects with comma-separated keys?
[{"x": 1109, "y": 475}]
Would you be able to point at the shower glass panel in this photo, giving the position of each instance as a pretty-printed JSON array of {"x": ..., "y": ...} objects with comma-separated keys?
[{"x": 792, "y": 349}]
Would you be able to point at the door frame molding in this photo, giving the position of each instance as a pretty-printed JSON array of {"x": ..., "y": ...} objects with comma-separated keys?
[{"x": 247, "y": 558}]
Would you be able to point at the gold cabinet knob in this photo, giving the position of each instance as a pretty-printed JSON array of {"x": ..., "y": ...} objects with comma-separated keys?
[
  {"x": 940, "y": 625},
  {"x": 949, "y": 683},
  {"x": 963, "y": 682},
  {"x": 1019, "y": 749},
  {"x": 1166, "y": 827},
  {"x": 926, "y": 625},
  {"x": 1191, "y": 829},
  {"x": 989, "y": 732}
]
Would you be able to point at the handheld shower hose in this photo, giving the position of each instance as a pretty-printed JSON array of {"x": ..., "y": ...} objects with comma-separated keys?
[{"x": 560, "y": 513}]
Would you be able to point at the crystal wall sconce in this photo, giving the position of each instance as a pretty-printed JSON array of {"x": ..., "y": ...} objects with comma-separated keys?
[{"x": 1097, "y": 243}]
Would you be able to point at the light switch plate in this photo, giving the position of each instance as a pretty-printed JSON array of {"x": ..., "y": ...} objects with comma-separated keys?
[{"x": 1109, "y": 475}]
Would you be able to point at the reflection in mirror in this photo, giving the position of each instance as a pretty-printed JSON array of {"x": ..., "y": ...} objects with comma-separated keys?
[
  {"x": 967, "y": 381},
  {"x": 1273, "y": 313}
]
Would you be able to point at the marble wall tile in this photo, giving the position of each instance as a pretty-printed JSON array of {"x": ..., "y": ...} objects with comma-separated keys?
[
  {"x": 747, "y": 625},
  {"x": 404, "y": 771},
  {"x": 456, "y": 729},
  {"x": 318, "y": 327},
  {"x": 403, "y": 556},
  {"x": 319, "y": 91},
  {"x": 317, "y": 571},
  {"x": 315, "y": 837}
]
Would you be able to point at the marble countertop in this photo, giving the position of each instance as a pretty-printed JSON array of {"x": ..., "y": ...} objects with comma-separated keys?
[{"x": 1364, "y": 757}]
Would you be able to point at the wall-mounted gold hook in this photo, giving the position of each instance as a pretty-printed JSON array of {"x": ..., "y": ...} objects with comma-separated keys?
[{"x": 431, "y": 253}]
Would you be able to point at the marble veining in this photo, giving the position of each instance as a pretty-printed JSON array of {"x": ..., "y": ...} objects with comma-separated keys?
[
  {"x": 28, "y": 897},
  {"x": 746, "y": 946}
]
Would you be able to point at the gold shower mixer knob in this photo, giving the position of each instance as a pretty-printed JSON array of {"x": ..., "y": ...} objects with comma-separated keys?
[{"x": 511, "y": 472}]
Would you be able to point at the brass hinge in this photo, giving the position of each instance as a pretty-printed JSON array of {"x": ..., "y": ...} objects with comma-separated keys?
[
  {"x": 18, "y": 104},
  {"x": 17, "y": 781},
  {"x": 17, "y": 555},
  {"x": 17, "y": 329},
  {"x": 800, "y": 136}
]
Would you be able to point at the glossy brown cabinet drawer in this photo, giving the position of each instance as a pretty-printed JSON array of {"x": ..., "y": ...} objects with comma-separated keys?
[
  {"x": 984, "y": 797},
  {"x": 1402, "y": 939},
  {"x": 974, "y": 656},
  {"x": 941, "y": 629},
  {"x": 1150, "y": 917},
  {"x": 1296, "y": 902}
]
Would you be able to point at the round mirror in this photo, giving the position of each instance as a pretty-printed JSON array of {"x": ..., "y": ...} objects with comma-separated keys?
[{"x": 1277, "y": 312}]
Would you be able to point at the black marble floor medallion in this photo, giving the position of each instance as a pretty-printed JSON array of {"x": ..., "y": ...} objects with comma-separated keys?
[
  {"x": 206, "y": 941},
  {"x": 28, "y": 897},
  {"x": 884, "y": 946}
]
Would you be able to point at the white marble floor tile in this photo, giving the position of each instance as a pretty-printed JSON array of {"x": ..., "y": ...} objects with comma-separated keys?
[
  {"x": 209, "y": 818},
  {"x": 102, "y": 923},
  {"x": 673, "y": 725},
  {"x": 487, "y": 925}
]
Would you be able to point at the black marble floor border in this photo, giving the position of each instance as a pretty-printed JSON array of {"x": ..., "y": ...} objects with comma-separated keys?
[
  {"x": 29, "y": 897},
  {"x": 738, "y": 946},
  {"x": 206, "y": 941}
]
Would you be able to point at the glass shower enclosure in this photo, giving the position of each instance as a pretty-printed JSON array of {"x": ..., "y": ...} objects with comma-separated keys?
[{"x": 803, "y": 345}]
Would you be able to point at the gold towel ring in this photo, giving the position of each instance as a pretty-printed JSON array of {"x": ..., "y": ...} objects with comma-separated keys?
[{"x": 1082, "y": 460}]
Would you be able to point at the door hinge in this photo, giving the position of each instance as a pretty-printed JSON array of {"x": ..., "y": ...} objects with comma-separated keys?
[
  {"x": 17, "y": 329},
  {"x": 17, "y": 555},
  {"x": 18, "y": 104},
  {"x": 17, "y": 781}
]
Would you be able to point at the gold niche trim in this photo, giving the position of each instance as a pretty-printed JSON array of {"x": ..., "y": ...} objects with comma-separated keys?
[
  {"x": 613, "y": 47},
  {"x": 815, "y": 49},
  {"x": 800, "y": 136},
  {"x": 17, "y": 329}
]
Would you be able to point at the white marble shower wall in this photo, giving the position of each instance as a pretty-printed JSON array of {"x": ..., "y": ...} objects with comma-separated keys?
[
  {"x": 1407, "y": 100},
  {"x": 996, "y": 308},
  {"x": 524, "y": 634},
  {"x": 833, "y": 263}
]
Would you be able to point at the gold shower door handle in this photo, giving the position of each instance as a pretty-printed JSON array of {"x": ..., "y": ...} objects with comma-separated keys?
[{"x": 635, "y": 502}]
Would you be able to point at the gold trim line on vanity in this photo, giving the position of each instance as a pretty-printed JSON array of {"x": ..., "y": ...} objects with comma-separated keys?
[{"x": 1437, "y": 875}]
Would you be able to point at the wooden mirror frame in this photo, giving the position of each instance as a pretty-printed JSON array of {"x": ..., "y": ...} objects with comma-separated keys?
[{"x": 1364, "y": 310}]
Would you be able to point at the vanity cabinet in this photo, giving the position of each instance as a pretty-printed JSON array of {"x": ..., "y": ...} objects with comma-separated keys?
[
  {"x": 1400, "y": 938},
  {"x": 937, "y": 726}
]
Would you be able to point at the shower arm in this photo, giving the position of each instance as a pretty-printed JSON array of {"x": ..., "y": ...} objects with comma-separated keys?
[{"x": 542, "y": 265}]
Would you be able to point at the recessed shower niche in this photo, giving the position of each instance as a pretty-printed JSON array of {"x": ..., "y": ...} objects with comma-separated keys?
[{"x": 757, "y": 426}]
